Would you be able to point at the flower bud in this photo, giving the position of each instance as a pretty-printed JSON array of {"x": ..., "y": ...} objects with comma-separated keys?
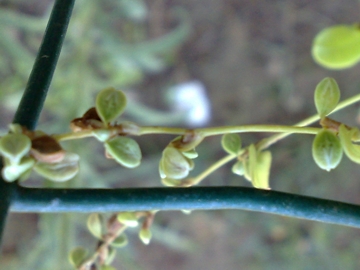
[
  {"x": 174, "y": 164},
  {"x": 145, "y": 235}
]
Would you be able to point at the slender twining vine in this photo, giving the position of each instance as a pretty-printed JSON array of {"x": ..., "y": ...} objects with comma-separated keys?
[{"x": 24, "y": 151}]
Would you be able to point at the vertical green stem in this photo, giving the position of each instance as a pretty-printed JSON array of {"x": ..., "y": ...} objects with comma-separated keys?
[{"x": 36, "y": 90}]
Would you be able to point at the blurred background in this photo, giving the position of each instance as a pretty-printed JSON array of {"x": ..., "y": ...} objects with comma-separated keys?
[{"x": 186, "y": 63}]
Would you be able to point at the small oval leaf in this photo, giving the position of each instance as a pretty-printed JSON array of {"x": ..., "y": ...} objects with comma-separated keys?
[
  {"x": 77, "y": 256},
  {"x": 337, "y": 47},
  {"x": 14, "y": 146},
  {"x": 231, "y": 143},
  {"x": 110, "y": 104},
  {"x": 61, "y": 171},
  {"x": 120, "y": 241},
  {"x": 326, "y": 96},
  {"x": 327, "y": 150},
  {"x": 124, "y": 150},
  {"x": 94, "y": 225}
]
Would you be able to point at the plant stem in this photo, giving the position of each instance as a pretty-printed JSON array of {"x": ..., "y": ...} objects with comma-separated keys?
[
  {"x": 196, "y": 180},
  {"x": 205, "y": 132},
  {"x": 265, "y": 143}
]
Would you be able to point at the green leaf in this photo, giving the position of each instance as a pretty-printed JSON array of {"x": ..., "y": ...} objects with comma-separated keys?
[
  {"x": 327, "y": 150},
  {"x": 231, "y": 143},
  {"x": 337, "y": 47},
  {"x": 120, "y": 241},
  {"x": 174, "y": 164},
  {"x": 77, "y": 256},
  {"x": 124, "y": 150},
  {"x": 327, "y": 96},
  {"x": 94, "y": 225},
  {"x": 351, "y": 150},
  {"x": 262, "y": 172},
  {"x": 14, "y": 146},
  {"x": 110, "y": 104},
  {"x": 257, "y": 169},
  {"x": 145, "y": 236},
  {"x": 12, "y": 172},
  {"x": 60, "y": 171},
  {"x": 128, "y": 218}
]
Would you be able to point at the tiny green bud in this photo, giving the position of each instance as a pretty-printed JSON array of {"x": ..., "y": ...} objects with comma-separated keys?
[
  {"x": 14, "y": 146},
  {"x": 120, "y": 241},
  {"x": 128, "y": 218},
  {"x": 94, "y": 225},
  {"x": 174, "y": 164},
  {"x": 124, "y": 150},
  {"x": 77, "y": 256},
  {"x": 145, "y": 235},
  {"x": 238, "y": 168},
  {"x": 351, "y": 150},
  {"x": 231, "y": 143},
  {"x": 337, "y": 47},
  {"x": 327, "y": 96},
  {"x": 327, "y": 150},
  {"x": 12, "y": 172},
  {"x": 110, "y": 104}
]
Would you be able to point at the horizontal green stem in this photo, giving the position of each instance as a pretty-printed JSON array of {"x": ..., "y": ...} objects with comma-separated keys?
[
  {"x": 205, "y": 132},
  {"x": 265, "y": 143}
]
